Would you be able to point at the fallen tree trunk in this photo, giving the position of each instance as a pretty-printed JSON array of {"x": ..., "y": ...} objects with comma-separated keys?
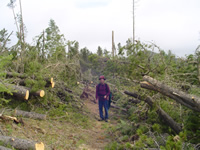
[
  {"x": 49, "y": 80},
  {"x": 22, "y": 144},
  {"x": 163, "y": 115},
  {"x": 23, "y": 76},
  {"x": 187, "y": 100},
  {"x": 39, "y": 93},
  {"x": 119, "y": 108},
  {"x": 18, "y": 91},
  {"x": 49, "y": 84},
  {"x": 135, "y": 101},
  {"x": 30, "y": 115},
  {"x": 4, "y": 148}
]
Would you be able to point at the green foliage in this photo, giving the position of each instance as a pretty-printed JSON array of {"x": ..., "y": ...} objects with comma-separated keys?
[
  {"x": 125, "y": 128},
  {"x": 157, "y": 128},
  {"x": 192, "y": 126}
]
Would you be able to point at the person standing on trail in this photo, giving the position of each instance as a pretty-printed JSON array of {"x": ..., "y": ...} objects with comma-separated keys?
[{"x": 102, "y": 95}]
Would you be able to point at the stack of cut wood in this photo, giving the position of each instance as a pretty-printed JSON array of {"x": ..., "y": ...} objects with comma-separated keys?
[{"x": 19, "y": 89}]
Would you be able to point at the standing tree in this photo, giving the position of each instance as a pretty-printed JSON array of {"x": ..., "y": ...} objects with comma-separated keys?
[
  {"x": 55, "y": 42},
  {"x": 99, "y": 51}
]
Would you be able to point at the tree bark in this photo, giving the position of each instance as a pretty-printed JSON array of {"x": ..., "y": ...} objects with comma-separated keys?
[
  {"x": 39, "y": 93},
  {"x": 52, "y": 85},
  {"x": 18, "y": 91},
  {"x": 22, "y": 144},
  {"x": 30, "y": 115},
  {"x": 163, "y": 115},
  {"x": 187, "y": 100}
]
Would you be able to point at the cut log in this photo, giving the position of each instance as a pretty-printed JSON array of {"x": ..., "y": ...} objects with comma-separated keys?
[
  {"x": 18, "y": 91},
  {"x": 187, "y": 100},
  {"x": 163, "y": 115},
  {"x": 4, "y": 148},
  {"x": 39, "y": 93},
  {"x": 30, "y": 114},
  {"x": 49, "y": 80},
  {"x": 48, "y": 84},
  {"x": 22, "y": 144}
]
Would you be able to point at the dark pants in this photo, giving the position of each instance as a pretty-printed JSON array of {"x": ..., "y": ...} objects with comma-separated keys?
[{"x": 103, "y": 103}]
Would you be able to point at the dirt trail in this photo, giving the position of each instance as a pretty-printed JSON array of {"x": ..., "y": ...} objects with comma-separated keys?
[{"x": 98, "y": 134}]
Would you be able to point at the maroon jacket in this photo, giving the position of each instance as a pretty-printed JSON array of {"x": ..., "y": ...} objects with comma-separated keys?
[{"x": 101, "y": 91}]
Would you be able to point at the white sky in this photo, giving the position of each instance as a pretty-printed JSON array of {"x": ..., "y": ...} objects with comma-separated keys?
[{"x": 171, "y": 24}]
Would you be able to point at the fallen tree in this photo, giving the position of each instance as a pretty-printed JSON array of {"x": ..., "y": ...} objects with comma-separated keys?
[
  {"x": 119, "y": 108},
  {"x": 30, "y": 114},
  {"x": 18, "y": 91},
  {"x": 163, "y": 115},
  {"x": 49, "y": 84},
  {"x": 39, "y": 93},
  {"x": 187, "y": 100},
  {"x": 22, "y": 144}
]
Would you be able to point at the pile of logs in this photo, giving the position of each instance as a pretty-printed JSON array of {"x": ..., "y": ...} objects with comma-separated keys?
[{"x": 20, "y": 90}]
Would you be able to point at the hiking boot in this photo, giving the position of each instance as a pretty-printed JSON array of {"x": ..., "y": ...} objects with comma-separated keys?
[
  {"x": 101, "y": 119},
  {"x": 106, "y": 120}
]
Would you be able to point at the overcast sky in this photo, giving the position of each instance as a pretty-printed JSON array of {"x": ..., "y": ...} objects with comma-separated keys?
[{"x": 171, "y": 24}]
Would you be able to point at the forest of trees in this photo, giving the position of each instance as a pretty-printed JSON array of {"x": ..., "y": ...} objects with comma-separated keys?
[{"x": 158, "y": 92}]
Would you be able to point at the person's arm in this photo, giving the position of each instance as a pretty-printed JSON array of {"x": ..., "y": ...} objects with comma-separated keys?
[
  {"x": 96, "y": 93},
  {"x": 108, "y": 92}
]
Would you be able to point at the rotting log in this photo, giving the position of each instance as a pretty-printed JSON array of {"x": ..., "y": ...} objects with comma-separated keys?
[
  {"x": 187, "y": 100},
  {"x": 163, "y": 115},
  {"x": 30, "y": 115},
  {"x": 22, "y": 144},
  {"x": 18, "y": 91},
  {"x": 4, "y": 148}
]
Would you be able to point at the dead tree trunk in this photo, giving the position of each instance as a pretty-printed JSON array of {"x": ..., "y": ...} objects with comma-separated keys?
[
  {"x": 22, "y": 144},
  {"x": 163, "y": 115},
  {"x": 30, "y": 115},
  {"x": 187, "y": 100}
]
